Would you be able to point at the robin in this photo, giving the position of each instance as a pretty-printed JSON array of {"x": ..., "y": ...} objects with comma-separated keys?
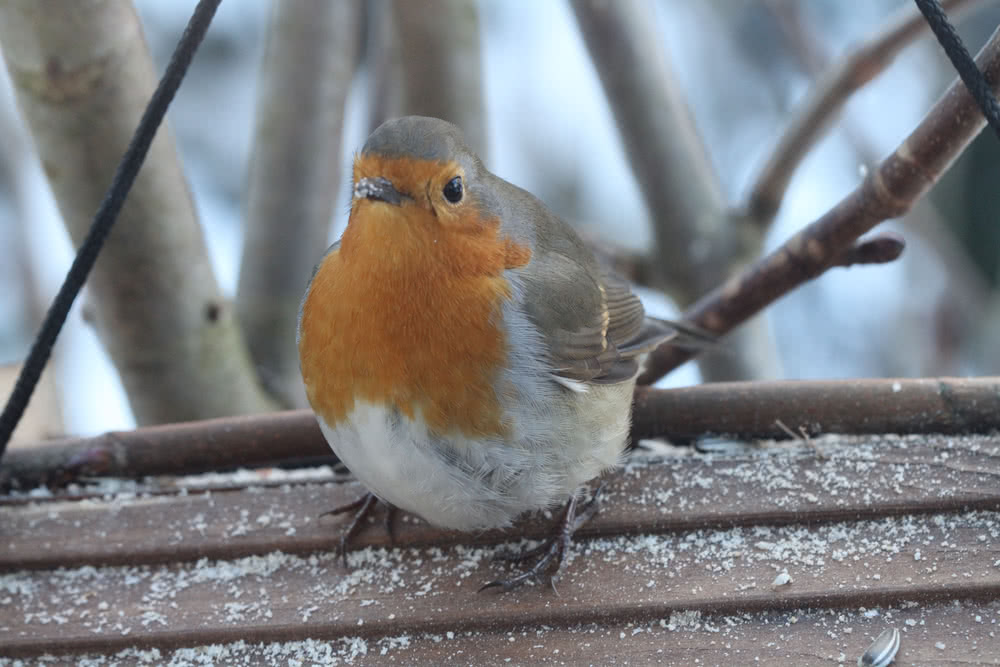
[{"x": 466, "y": 357}]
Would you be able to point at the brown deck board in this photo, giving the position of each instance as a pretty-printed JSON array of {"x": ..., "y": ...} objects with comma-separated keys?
[
  {"x": 870, "y": 522},
  {"x": 881, "y": 477},
  {"x": 279, "y": 597},
  {"x": 937, "y": 634}
]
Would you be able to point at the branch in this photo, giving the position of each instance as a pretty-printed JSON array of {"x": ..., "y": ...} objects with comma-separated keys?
[
  {"x": 178, "y": 449},
  {"x": 960, "y": 309},
  {"x": 83, "y": 77},
  {"x": 427, "y": 61},
  {"x": 294, "y": 176},
  {"x": 670, "y": 162},
  {"x": 752, "y": 410},
  {"x": 857, "y": 406},
  {"x": 827, "y": 98},
  {"x": 887, "y": 192},
  {"x": 970, "y": 292},
  {"x": 699, "y": 241}
]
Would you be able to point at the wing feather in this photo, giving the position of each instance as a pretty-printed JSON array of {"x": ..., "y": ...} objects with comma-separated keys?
[{"x": 594, "y": 325}]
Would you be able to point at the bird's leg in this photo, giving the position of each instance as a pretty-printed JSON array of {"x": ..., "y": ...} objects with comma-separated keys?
[
  {"x": 361, "y": 507},
  {"x": 553, "y": 550},
  {"x": 390, "y": 514}
]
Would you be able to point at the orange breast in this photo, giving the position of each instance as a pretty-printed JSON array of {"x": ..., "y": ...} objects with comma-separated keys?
[{"x": 407, "y": 314}]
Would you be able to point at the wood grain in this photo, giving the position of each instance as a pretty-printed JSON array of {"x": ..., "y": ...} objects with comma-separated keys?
[{"x": 907, "y": 527}]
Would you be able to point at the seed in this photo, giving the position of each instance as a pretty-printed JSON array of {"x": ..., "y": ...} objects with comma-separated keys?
[{"x": 882, "y": 651}]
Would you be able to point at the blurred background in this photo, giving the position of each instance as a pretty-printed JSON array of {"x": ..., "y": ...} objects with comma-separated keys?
[{"x": 742, "y": 66}]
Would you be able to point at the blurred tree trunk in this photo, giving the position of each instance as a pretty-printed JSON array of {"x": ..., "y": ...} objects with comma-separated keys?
[
  {"x": 83, "y": 75},
  {"x": 43, "y": 418},
  {"x": 700, "y": 240},
  {"x": 294, "y": 177},
  {"x": 426, "y": 59}
]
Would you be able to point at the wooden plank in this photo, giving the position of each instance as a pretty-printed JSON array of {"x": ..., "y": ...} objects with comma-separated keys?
[
  {"x": 280, "y": 597},
  {"x": 836, "y": 479},
  {"x": 853, "y": 521},
  {"x": 938, "y": 634}
]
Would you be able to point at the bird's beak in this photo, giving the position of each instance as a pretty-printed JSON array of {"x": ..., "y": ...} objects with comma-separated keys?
[{"x": 379, "y": 189}]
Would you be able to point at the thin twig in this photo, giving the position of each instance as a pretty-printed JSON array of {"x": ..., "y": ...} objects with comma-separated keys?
[
  {"x": 820, "y": 108},
  {"x": 887, "y": 192}
]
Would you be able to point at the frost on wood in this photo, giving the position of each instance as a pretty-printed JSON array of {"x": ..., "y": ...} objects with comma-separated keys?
[
  {"x": 828, "y": 543},
  {"x": 793, "y": 637},
  {"x": 427, "y": 590}
]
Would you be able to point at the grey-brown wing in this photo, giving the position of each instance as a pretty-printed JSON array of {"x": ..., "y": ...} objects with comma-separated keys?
[{"x": 594, "y": 325}]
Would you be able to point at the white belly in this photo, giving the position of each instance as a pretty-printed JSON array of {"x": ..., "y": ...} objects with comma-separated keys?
[{"x": 470, "y": 484}]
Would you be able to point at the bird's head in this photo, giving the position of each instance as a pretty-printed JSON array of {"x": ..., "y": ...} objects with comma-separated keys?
[{"x": 418, "y": 172}]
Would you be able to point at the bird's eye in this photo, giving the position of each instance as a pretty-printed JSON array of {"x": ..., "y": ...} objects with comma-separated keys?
[{"x": 453, "y": 190}]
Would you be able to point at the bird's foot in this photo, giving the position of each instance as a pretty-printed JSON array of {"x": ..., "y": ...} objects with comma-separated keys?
[
  {"x": 362, "y": 508},
  {"x": 552, "y": 550}
]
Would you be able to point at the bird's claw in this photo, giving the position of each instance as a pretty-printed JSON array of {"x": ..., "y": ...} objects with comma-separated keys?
[
  {"x": 362, "y": 508},
  {"x": 553, "y": 550}
]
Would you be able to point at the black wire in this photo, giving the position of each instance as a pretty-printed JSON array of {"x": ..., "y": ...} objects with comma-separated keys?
[
  {"x": 966, "y": 67},
  {"x": 105, "y": 217}
]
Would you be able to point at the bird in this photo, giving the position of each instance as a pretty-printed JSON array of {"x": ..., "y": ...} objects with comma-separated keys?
[{"x": 465, "y": 355}]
